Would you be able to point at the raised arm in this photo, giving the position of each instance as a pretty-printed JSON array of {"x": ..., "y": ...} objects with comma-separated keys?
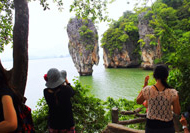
[
  {"x": 146, "y": 81},
  {"x": 140, "y": 98},
  {"x": 10, "y": 118}
]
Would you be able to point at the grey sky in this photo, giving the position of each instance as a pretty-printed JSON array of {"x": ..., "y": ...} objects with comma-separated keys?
[{"x": 47, "y": 29}]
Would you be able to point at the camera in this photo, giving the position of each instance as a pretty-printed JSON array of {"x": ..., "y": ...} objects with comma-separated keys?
[{"x": 186, "y": 115}]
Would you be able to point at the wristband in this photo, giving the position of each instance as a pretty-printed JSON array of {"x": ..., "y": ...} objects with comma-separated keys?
[{"x": 184, "y": 127}]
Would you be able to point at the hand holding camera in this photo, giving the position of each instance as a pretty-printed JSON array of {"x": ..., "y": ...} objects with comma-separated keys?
[{"x": 183, "y": 120}]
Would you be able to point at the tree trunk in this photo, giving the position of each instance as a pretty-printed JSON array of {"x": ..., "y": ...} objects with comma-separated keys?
[{"x": 20, "y": 46}]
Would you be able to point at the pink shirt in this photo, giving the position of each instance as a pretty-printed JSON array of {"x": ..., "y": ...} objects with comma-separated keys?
[{"x": 159, "y": 103}]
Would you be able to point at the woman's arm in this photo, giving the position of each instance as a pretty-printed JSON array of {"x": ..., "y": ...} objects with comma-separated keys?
[
  {"x": 146, "y": 81},
  {"x": 10, "y": 118},
  {"x": 140, "y": 98},
  {"x": 176, "y": 106}
]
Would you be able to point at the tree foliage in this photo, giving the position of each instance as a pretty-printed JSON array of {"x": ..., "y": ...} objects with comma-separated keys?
[
  {"x": 170, "y": 21},
  {"x": 171, "y": 24},
  {"x": 173, "y": 30},
  {"x": 173, "y": 3},
  {"x": 124, "y": 105},
  {"x": 120, "y": 32},
  {"x": 6, "y": 36},
  {"x": 90, "y": 9},
  {"x": 96, "y": 10},
  {"x": 90, "y": 114}
]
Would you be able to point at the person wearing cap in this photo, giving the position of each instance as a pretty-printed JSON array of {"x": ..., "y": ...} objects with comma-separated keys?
[{"x": 57, "y": 95}]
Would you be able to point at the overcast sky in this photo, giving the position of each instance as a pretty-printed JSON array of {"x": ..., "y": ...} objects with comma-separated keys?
[{"x": 47, "y": 29}]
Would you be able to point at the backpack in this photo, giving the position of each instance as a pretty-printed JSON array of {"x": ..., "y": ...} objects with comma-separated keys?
[{"x": 25, "y": 122}]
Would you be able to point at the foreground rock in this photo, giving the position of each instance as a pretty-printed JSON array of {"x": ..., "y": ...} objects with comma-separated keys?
[
  {"x": 148, "y": 51},
  {"x": 83, "y": 45}
]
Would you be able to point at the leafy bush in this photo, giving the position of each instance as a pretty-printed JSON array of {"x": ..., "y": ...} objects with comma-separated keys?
[
  {"x": 40, "y": 116},
  {"x": 91, "y": 114},
  {"x": 180, "y": 65},
  {"x": 170, "y": 21},
  {"x": 124, "y": 105},
  {"x": 88, "y": 112}
]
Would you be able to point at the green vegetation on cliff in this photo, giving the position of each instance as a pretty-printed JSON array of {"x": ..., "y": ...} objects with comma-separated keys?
[
  {"x": 171, "y": 24},
  {"x": 120, "y": 32},
  {"x": 88, "y": 37}
]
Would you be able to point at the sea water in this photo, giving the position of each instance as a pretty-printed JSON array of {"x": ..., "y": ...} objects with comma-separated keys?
[{"x": 104, "y": 82}]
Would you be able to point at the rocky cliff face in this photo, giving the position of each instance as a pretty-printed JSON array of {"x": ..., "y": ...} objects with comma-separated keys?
[
  {"x": 121, "y": 59},
  {"x": 148, "y": 51},
  {"x": 83, "y": 45}
]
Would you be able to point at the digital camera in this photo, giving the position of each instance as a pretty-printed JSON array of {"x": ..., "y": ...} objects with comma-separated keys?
[{"x": 186, "y": 115}]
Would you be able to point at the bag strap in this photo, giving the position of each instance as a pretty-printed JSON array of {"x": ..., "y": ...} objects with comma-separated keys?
[
  {"x": 157, "y": 88},
  {"x": 55, "y": 95},
  {"x": 54, "y": 92}
]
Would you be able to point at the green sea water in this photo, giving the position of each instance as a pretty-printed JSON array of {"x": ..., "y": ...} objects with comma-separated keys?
[{"x": 116, "y": 83}]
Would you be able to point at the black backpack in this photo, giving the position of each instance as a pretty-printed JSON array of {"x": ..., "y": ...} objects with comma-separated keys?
[{"x": 25, "y": 122}]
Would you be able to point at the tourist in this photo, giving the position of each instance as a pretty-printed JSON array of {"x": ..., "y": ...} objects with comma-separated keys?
[
  {"x": 8, "y": 105},
  {"x": 183, "y": 120},
  {"x": 161, "y": 99},
  {"x": 57, "y": 95}
]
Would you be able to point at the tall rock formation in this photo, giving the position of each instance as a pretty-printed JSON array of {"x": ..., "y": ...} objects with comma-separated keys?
[
  {"x": 120, "y": 42},
  {"x": 148, "y": 51},
  {"x": 83, "y": 45},
  {"x": 123, "y": 58}
]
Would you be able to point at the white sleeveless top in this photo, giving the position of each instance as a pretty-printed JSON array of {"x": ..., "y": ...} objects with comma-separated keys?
[{"x": 159, "y": 103}]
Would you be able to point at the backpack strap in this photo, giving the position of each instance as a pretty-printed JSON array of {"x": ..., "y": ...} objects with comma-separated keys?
[
  {"x": 54, "y": 92},
  {"x": 55, "y": 95}
]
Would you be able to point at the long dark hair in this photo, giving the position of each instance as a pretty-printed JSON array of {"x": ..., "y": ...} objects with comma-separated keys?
[
  {"x": 5, "y": 84},
  {"x": 161, "y": 72},
  {"x": 3, "y": 79}
]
